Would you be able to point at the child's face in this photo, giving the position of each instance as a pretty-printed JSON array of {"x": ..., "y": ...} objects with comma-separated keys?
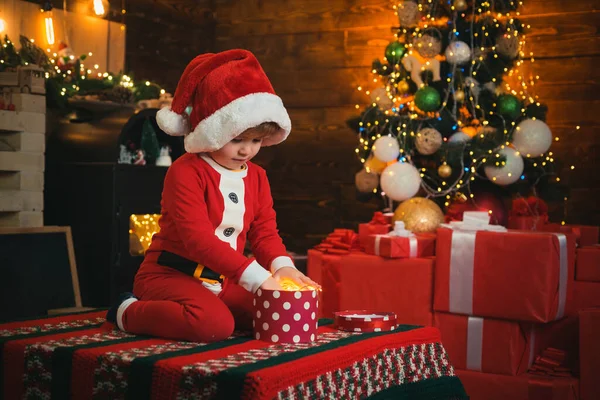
[{"x": 238, "y": 151}]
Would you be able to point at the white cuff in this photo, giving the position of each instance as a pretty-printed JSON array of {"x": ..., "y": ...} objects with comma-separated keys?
[
  {"x": 280, "y": 262},
  {"x": 253, "y": 276}
]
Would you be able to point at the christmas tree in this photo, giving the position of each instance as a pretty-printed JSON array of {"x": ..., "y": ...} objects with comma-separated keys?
[{"x": 454, "y": 109}]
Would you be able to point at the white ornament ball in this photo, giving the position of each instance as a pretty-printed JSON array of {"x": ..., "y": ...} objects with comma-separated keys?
[
  {"x": 510, "y": 172},
  {"x": 400, "y": 181},
  {"x": 386, "y": 148},
  {"x": 380, "y": 97},
  {"x": 532, "y": 137},
  {"x": 428, "y": 141},
  {"x": 458, "y": 53},
  {"x": 366, "y": 182},
  {"x": 459, "y": 137}
]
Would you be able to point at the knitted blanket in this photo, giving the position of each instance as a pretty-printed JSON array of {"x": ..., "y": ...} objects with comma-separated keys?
[{"x": 81, "y": 356}]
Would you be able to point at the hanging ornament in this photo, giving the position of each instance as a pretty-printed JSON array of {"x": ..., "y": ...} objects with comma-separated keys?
[
  {"x": 366, "y": 182},
  {"x": 428, "y": 141},
  {"x": 408, "y": 13},
  {"x": 403, "y": 87},
  {"x": 507, "y": 45},
  {"x": 416, "y": 64},
  {"x": 65, "y": 58},
  {"x": 460, "y": 5},
  {"x": 428, "y": 99},
  {"x": 444, "y": 170},
  {"x": 459, "y": 95},
  {"x": 532, "y": 137},
  {"x": 373, "y": 164},
  {"x": 386, "y": 148},
  {"x": 508, "y": 173},
  {"x": 380, "y": 97},
  {"x": 394, "y": 52},
  {"x": 459, "y": 137},
  {"x": 400, "y": 181},
  {"x": 458, "y": 53},
  {"x": 427, "y": 45},
  {"x": 509, "y": 106},
  {"x": 419, "y": 215}
]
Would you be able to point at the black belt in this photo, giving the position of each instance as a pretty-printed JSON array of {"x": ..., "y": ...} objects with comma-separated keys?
[{"x": 189, "y": 267}]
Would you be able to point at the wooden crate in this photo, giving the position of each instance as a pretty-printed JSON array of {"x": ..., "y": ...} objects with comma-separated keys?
[
  {"x": 23, "y": 141},
  {"x": 22, "y": 122},
  {"x": 22, "y": 219}
]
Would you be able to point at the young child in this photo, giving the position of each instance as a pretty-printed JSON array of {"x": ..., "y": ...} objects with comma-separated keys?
[{"x": 195, "y": 283}]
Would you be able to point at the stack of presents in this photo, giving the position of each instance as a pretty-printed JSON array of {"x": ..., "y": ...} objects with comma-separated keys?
[{"x": 515, "y": 307}]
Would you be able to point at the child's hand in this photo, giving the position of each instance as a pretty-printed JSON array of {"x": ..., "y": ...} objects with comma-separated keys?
[
  {"x": 296, "y": 276},
  {"x": 271, "y": 284}
]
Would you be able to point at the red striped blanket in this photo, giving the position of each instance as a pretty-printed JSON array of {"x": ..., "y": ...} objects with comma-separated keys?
[{"x": 81, "y": 356}]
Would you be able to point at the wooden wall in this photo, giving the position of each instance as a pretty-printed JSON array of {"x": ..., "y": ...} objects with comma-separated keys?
[{"x": 316, "y": 54}]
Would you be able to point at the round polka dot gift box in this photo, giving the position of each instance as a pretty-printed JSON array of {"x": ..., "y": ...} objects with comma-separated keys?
[
  {"x": 365, "y": 321},
  {"x": 285, "y": 316}
]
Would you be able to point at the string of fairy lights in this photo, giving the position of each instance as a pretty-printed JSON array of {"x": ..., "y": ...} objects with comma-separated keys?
[{"x": 403, "y": 103}]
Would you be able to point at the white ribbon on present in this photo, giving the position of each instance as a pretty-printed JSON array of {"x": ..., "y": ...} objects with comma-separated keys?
[
  {"x": 462, "y": 261},
  {"x": 474, "y": 343},
  {"x": 399, "y": 231}
]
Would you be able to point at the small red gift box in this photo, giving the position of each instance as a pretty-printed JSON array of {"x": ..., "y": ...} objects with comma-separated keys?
[
  {"x": 585, "y": 235},
  {"x": 358, "y": 281},
  {"x": 589, "y": 355},
  {"x": 587, "y": 267},
  {"x": 379, "y": 225},
  {"x": 516, "y": 275},
  {"x": 486, "y": 344},
  {"x": 420, "y": 245},
  {"x": 482, "y": 386},
  {"x": 285, "y": 316}
]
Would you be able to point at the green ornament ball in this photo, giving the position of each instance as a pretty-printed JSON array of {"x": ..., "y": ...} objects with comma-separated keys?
[
  {"x": 509, "y": 106},
  {"x": 428, "y": 99},
  {"x": 394, "y": 52}
]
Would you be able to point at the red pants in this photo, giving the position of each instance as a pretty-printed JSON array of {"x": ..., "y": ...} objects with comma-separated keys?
[{"x": 176, "y": 306}]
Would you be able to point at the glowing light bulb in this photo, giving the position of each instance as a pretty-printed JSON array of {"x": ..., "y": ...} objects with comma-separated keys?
[
  {"x": 2, "y": 25},
  {"x": 99, "y": 8}
]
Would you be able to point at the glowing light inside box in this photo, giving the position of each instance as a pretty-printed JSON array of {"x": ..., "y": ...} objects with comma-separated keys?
[
  {"x": 290, "y": 285},
  {"x": 141, "y": 229}
]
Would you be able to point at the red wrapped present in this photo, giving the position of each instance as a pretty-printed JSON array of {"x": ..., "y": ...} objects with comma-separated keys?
[
  {"x": 486, "y": 344},
  {"x": 586, "y": 235},
  {"x": 381, "y": 224},
  {"x": 589, "y": 357},
  {"x": 587, "y": 295},
  {"x": 528, "y": 214},
  {"x": 482, "y": 386},
  {"x": 587, "y": 267},
  {"x": 360, "y": 281},
  {"x": 557, "y": 337},
  {"x": 401, "y": 243},
  {"x": 516, "y": 275}
]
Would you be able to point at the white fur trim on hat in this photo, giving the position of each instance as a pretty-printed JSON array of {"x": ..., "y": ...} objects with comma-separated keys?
[
  {"x": 172, "y": 123},
  {"x": 228, "y": 122}
]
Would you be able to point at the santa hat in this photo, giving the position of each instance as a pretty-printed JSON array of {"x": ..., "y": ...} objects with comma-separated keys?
[{"x": 229, "y": 93}]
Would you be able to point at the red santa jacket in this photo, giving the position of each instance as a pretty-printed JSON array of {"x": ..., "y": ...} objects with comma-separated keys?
[{"x": 208, "y": 212}]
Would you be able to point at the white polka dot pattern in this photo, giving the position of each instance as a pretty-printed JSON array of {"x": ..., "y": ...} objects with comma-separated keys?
[{"x": 285, "y": 316}]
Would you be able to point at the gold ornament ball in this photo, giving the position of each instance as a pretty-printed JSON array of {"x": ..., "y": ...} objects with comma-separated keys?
[
  {"x": 428, "y": 46},
  {"x": 444, "y": 171},
  {"x": 375, "y": 165},
  {"x": 419, "y": 215},
  {"x": 403, "y": 86},
  {"x": 459, "y": 96},
  {"x": 460, "y": 5},
  {"x": 366, "y": 182}
]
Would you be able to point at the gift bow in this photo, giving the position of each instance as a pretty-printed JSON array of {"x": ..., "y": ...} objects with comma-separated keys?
[
  {"x": 379, "y": 219},
  {"x": 529, "y": 207},
  {"x": 399, "y": 231},
  {"x": 474, "y": 221},
  {"x": 341, "y": 241}
]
